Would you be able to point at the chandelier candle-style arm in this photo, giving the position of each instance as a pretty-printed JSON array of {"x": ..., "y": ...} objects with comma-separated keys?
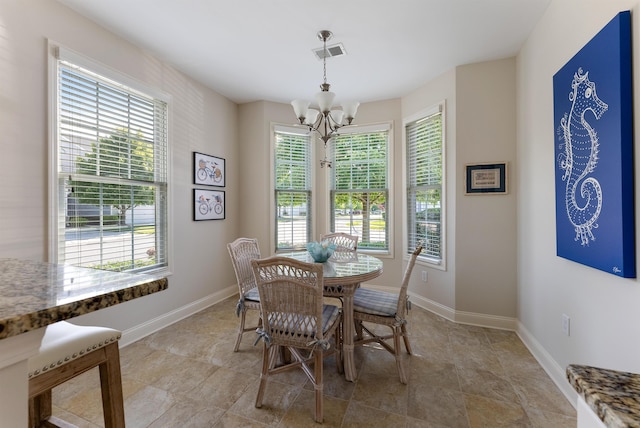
[
  {"x": 312, "y": 118},
  {"x": 325, "y": 100},
  {"x": 336, "y": 116},
  {"x": 350, "y": 109},
  {"x": 300, "y": 108}
]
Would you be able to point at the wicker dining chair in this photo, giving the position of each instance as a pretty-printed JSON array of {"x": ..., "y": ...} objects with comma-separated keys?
[
  {"x": 346, "y": 246},
  {"x": 343, "y": 241},
  {"x": 242, "y": 251},
  {"x": 296, "y": 319},
  {"x": 387, "y": 309}
]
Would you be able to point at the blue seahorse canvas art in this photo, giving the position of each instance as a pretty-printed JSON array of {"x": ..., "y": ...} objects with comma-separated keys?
[{"x": 594, "y": 153}]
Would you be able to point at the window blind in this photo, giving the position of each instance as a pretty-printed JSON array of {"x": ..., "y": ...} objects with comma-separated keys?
[
  {"x": 424, "y": 185},
  {"x": 112, "y": 173},
  {"x": 292, "y": 189},
  {"x": 359, "y": 187}
]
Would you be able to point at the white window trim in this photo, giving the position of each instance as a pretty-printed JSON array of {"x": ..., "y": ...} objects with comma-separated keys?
[
  {"x": 55, "y": 51},
  {"x": 273, "y": 223},
  {"x": 438, "y": 107}
]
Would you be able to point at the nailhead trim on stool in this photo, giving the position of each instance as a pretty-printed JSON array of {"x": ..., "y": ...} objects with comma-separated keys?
[
  {"x": 66, "y": 351},
  {"x": 63, "y": 342}
]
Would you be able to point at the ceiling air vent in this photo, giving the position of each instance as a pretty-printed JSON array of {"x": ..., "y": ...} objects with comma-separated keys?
[{"x": 333, "y": 50}]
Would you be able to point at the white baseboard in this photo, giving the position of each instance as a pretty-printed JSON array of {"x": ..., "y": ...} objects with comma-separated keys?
[
  {"x": 435, "y": 307},
  {"x": 140, "y": 331},
  {"x": 483, "y": 320},
  {"x": 553, "y": 369},
  {"x": 471, "y": 318}
]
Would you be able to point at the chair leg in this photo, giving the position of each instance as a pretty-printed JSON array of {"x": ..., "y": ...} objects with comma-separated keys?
[
  {"x": 278, "y": 356},
  {"x": 405, "y": 336},
  {"x": 111, "y": 385},
  {"x": 268, "y": 354},
  {"x": 39, "y": 409},
  {"x": 240, "y": 330},
  {"x": 338, "y": 339},
  {"x": 358, "y": 325},
  {"x": 319, "y": 384},
  {"x": 397, "y": 351}
]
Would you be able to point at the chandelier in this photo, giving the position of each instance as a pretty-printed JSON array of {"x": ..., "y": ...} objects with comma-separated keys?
[{"x": 325, "y": 120}]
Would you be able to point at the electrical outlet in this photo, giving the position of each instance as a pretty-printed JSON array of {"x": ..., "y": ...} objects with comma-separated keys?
[
  {"x": 566, "y": 324},
  {"x": 424, "y": 276}
]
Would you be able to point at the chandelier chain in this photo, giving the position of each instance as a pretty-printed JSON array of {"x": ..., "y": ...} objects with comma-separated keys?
[{"x": 324, "y": 60}]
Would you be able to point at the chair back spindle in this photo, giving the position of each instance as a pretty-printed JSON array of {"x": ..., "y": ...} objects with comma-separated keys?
[{"x": 343, "y": 241}]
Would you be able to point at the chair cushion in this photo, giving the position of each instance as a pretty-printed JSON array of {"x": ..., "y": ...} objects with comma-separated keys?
[
  {"x": 252, "y": 295},
  {"x": 330, "y": 314},
  {"x": 63, "y": 342},
  {"x": 282, "y": 323},
  {"x": 375, "y": 302}
]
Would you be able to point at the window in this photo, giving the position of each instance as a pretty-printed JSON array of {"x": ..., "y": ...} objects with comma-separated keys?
[
  {"x": 292, "y": 188},
  {"x": 360, "y": 188},
  {"x": 424, "y": 160},
  {"x": 110, "y": 171}
]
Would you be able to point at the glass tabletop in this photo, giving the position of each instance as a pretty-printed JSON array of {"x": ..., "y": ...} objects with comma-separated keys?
[{"x": 341, "y": 266}]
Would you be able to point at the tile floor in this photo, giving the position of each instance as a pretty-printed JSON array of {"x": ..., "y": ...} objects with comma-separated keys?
[{"x": 186, "y": 375}]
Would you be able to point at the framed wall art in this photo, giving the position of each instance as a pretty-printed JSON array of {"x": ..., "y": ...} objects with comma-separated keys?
[
  {"x": 486, "y": 178},
  {"x": 208, "y": 170},
  {"x": 208, "y": 204},
  {"x": 593, "y": 142}
]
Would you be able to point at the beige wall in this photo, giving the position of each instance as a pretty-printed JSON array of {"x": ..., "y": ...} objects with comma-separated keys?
[
  {"x": 603, "y": 308},
  {"x": 254, "y": 166},
  {"x": 256, "y": 120},
  {"x": 480, "y": 101},
  {"x": 200, "y": 120},
  {"x": 438, "y": 293},
  {"x": 486, "y": 117},
  {"x": 479, "y": 283}
]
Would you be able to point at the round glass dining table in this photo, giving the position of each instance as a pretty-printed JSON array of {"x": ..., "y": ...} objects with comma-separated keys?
[{"x": 342, "y": 275}]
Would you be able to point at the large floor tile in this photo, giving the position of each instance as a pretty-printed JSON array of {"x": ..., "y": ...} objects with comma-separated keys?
[{"x": 187, "y": 375}]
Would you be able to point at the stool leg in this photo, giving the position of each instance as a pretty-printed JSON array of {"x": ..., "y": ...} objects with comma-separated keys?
[
  {"x": 111, "y": 385},
  {"x": 39, "y": 409}
]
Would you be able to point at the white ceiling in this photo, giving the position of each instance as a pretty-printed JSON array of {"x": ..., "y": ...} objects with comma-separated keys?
[{"x": 251, "y": 50}]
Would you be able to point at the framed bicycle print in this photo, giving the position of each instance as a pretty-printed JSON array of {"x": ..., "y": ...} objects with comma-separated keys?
[
  {"x": 208, "y": 170},
  {"x": 208, "y": 204}
]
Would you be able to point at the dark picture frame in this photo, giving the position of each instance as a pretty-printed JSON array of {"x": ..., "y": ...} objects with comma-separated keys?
[
  {"x": 208, "y": 170},
  {"x": 486, "y": 178},
  {"x": 208, "y": 204}
]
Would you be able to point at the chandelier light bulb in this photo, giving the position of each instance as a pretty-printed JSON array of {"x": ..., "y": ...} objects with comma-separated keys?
[
  {"x": 300, "y": 108},
  {"x": 350, "y": 109},
  {"x": 325, "y": 101},
  {"x": 312, "y": 116},
  {"x": 336, "y": 116}
]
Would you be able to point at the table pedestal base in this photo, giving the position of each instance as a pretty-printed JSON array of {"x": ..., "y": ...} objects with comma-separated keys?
[{"x": 347, "y": 335}]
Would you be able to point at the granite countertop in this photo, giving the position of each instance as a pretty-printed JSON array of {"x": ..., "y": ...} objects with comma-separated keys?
[
  {"x": 613, "y": 395},
  {"x": 35, "y": 294}
]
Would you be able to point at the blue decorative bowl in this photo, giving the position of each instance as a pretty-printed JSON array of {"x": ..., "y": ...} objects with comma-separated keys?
[{"x": 321, "y": 251}]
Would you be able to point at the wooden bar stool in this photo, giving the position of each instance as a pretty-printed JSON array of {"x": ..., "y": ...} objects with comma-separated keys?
[{"x": 68, "y": 350}]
